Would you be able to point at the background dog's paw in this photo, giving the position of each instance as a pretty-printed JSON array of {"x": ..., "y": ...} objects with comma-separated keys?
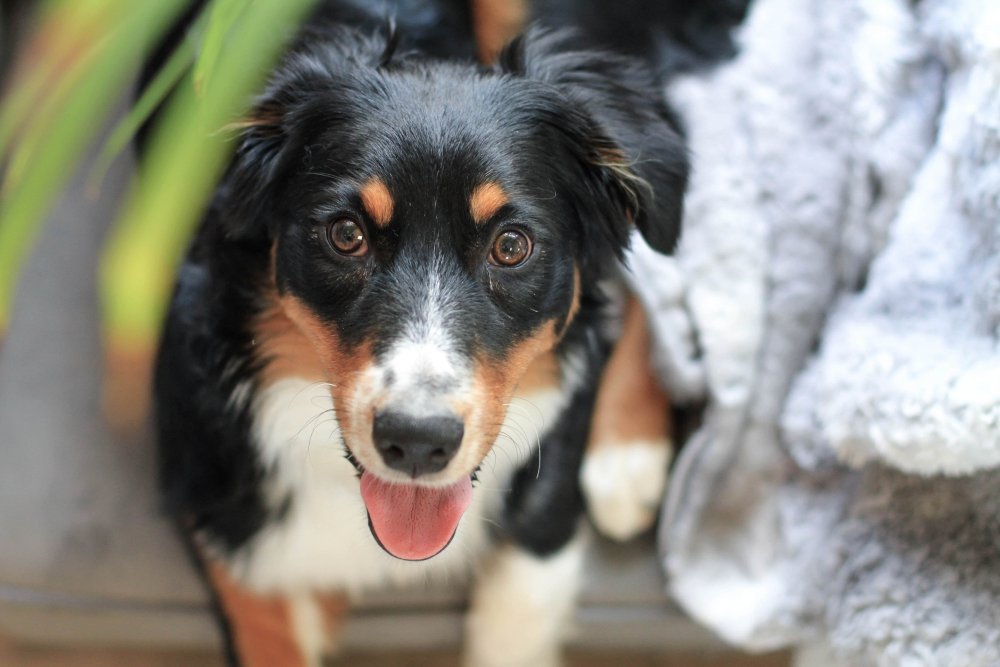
[{"x": 624, "y": 485}]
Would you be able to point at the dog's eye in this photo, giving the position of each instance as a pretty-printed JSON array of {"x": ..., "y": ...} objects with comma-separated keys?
[
  {"x": 347, "y": 237},
  {"x": 510, "y": 248}
]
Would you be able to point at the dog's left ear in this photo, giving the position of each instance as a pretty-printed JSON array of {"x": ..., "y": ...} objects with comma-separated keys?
[{"x": 627, "y": 135}]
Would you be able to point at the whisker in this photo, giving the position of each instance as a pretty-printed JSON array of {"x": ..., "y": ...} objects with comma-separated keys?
[
  {"x": 538, "y": 411},
  {"x": 313, "y": 433},
  {"x": 483, "y": 518},
  {"x": 538, "y": 441},
  {"x": 309, "y": 423},
  {"x": 307, "y": 387},
  {"x": 534, "y": 425}
]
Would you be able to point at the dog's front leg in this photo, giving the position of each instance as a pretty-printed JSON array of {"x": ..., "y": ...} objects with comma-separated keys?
[
  {"x": 521, "y": 607},
  {"x": 625, "y": 471},
  {"x": 275, "y": 630},
  {"x": 524, "y": 597}
]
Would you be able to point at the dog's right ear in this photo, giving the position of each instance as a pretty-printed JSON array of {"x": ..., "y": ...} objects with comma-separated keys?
[
  {"x": 265, "y": 147},
  {"x": 269, "y": 143},
  {"x": 247, "y": 190}
]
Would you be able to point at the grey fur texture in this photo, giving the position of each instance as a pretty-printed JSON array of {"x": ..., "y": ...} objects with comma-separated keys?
[{"x": 835, "y": 301}]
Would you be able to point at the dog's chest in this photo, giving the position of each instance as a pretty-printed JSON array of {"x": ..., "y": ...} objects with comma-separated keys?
[{"x": 323, "y": 541}]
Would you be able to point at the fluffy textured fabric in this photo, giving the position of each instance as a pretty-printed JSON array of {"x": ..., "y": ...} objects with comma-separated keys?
[{"x": 835, "y": 302}]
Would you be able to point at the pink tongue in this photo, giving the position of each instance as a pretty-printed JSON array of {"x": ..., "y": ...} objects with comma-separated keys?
[{"x": 414, "y": 522}]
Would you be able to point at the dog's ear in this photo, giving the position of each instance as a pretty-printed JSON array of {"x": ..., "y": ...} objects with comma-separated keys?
[
  {"x": 264, "y": 149},
  {"x": 272, "y": 136},
  {"x": 631, "y": 142},
  {"x": 246, "y": 193}
]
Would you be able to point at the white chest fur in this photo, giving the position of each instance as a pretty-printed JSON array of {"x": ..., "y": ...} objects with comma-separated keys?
[{"x": 323, "y": 542}]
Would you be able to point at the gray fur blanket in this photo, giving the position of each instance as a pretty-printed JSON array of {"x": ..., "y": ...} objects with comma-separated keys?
[{"x": 836, "y": 304}]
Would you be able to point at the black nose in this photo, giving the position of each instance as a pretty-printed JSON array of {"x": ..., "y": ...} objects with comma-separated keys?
[{"x": 416, "y": 445}]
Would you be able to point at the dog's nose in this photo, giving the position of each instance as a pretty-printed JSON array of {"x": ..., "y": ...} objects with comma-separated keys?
[{"x": 416, "y": 445}]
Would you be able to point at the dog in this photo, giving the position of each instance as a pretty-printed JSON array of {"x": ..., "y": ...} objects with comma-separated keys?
[{"x": 387, "y": 341}]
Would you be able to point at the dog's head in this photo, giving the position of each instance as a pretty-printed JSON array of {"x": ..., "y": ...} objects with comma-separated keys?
[{"x": 434, "y": 228}]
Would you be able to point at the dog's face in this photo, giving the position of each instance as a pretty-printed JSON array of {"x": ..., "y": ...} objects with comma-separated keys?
[{"x": 433, "y": 230}]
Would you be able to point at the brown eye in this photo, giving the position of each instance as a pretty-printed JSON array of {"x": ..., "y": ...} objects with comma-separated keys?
[
  {"x": 347, "y": 237},
  {"x": 510, "y": 248}
]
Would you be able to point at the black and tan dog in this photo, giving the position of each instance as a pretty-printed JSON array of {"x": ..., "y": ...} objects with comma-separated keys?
[{"x": 386, "y": 343}]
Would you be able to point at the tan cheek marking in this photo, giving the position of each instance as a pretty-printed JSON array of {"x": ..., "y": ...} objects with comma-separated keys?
[
  {"x": 343, "y": 368},
  {"x": 285, "y": 349},
  {"x": 631, "y": 405},
  {"x": 261, "y": 625},
  {"x": 485, "y": 201},
  {"x": 280, "y": 344},
  {"x": 293, "y": 341},
  {"x": 542, "y": 374},
  {"x": 531, "y": 366},
  {"x": 377, "y": 200},
  {"x": 495, "y": 382}
]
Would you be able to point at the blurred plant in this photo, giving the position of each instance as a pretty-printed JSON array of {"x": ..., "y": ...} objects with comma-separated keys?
[{"x": 79, "y": 59}]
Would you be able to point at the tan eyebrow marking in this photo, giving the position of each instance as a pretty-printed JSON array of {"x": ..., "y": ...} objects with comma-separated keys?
[
  {"x": 486, "y": 200},
  {"x": 377, "y": 200}
]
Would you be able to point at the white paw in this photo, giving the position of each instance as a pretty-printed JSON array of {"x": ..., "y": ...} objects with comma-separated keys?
[
  {"x": 624, "y": 486},
  {"x": 522, "y": 606}
]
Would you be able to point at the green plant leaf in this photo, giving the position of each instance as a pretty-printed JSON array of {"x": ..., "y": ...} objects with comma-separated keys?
[
  {"x": 86, "y": 59},
  {"x": 186, "y": 156},
  {"x": 52, "y": 57},
  {"x": 152, "y": 97},
  {"x": 224, "y": 15}
]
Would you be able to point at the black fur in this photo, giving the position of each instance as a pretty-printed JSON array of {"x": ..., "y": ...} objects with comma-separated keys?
[
  {"x": 207, "y": 472},
  {"x": 670, "y": 36},
  {"x": 545, "y": 503}
]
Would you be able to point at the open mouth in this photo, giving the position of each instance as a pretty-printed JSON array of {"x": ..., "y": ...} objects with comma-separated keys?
[{"x": 411, "y": 521}]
